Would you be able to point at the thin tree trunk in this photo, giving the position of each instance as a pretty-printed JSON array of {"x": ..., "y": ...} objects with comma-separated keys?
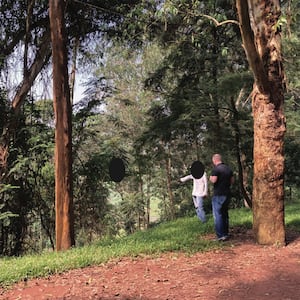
[
  {"x": 238, "y": 152},
  {"x": 148, "y": 208},
  {"x": 169, "y": 186},
  {"x": 73, "y": 71},
  {"x": 63, "y": 130}
]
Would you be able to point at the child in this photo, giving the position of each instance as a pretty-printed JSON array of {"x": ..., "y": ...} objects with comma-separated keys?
[{"x": 199, "y": 188}]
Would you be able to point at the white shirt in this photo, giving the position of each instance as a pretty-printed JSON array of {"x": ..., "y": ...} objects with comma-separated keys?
[{"x": 199, "y": 185}]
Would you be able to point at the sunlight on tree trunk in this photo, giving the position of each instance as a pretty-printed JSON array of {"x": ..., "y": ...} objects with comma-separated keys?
[
  {"x": 63, "y": 130},
  {"x": 262, "y": 44}
]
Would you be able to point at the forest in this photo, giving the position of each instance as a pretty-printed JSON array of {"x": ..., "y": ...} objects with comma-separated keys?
[{"x": 159, "y": 84}]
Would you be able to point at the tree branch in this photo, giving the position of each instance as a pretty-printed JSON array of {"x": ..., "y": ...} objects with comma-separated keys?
[
  {"x": 220, "y": 23},
  {"x": 41, "y": 58},
  {"x": 254, "y": 59}
]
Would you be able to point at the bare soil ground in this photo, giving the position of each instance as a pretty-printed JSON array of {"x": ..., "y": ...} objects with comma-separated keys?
[{"x": 242, "y": 270}]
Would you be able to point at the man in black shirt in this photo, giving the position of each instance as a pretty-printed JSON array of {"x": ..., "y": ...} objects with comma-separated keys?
[{"x": 222, "y": 178}]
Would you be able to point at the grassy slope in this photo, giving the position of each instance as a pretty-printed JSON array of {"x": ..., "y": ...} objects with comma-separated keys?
[{"x": 184, "y": 234}]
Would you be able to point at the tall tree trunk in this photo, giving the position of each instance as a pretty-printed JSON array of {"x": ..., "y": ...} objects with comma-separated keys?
[
  {"x": 262, "y": 43},
  {"x": 63, "y": 130}
]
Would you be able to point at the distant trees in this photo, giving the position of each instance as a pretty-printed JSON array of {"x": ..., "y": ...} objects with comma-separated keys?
[
  {"x": 203, "y": 85},
  {"x": 291, "y": 45}
]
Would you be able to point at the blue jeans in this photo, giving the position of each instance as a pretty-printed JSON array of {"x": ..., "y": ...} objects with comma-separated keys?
[
  {"x": 198, "y": 202},
  {"x": 220, "y": 212}
]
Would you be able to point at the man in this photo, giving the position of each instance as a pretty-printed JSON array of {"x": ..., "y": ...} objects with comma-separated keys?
[{"x": 222, "y": 178}]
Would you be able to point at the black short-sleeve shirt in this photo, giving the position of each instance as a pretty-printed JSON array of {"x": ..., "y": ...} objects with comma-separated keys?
[{"x": 222, "y": 185}]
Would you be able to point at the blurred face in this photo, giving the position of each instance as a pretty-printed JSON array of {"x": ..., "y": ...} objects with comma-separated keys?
[{"x": 216, "y": 159}]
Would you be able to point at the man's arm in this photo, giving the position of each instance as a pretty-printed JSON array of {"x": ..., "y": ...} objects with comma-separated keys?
[{"x": 213, "y": 179}]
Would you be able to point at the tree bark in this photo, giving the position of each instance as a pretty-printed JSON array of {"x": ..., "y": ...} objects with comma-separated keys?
[
  {"x": 64, "y": 226},
  {"x": 268, "y": 183},
  {"x": 262, "y": 44}
]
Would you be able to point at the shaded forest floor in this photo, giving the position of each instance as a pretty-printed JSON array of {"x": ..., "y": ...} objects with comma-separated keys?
[{"x": 242, "y": 270}]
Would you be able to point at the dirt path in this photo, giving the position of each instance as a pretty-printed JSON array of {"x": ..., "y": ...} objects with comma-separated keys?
[{"x": 243, "y": 270}]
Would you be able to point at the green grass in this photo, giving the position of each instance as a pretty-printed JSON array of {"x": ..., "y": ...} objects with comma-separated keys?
[
  {"x": 292, "y": 216},
  {"x": 186, "y": 235}
]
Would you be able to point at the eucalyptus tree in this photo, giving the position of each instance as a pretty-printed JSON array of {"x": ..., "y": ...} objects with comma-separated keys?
[
  {"x": 261, "y": 35},
  {"x": 26, "y": 31},
  {"x": 64, "y": 221}
]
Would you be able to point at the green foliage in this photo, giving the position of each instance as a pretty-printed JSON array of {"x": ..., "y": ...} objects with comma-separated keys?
[
  {"x": 4, "y": 106},
  {"x": 31, "y": 172},
  {"x": 291, "y": 46},
  {"x": 292, "y": 164},
  {"x": 6, "y": 215}
]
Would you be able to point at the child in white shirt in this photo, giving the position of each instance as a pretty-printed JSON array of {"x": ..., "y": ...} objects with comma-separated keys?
[{"x": 198, "y": 194}]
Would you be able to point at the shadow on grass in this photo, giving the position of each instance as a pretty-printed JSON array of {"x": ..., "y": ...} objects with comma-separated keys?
[
  {"x": 244, "y": 232},
  {"x": 292, "y": 231}
]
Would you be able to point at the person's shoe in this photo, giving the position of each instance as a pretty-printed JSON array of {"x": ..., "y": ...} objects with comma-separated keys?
[{"x": 222, "y": 238}]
